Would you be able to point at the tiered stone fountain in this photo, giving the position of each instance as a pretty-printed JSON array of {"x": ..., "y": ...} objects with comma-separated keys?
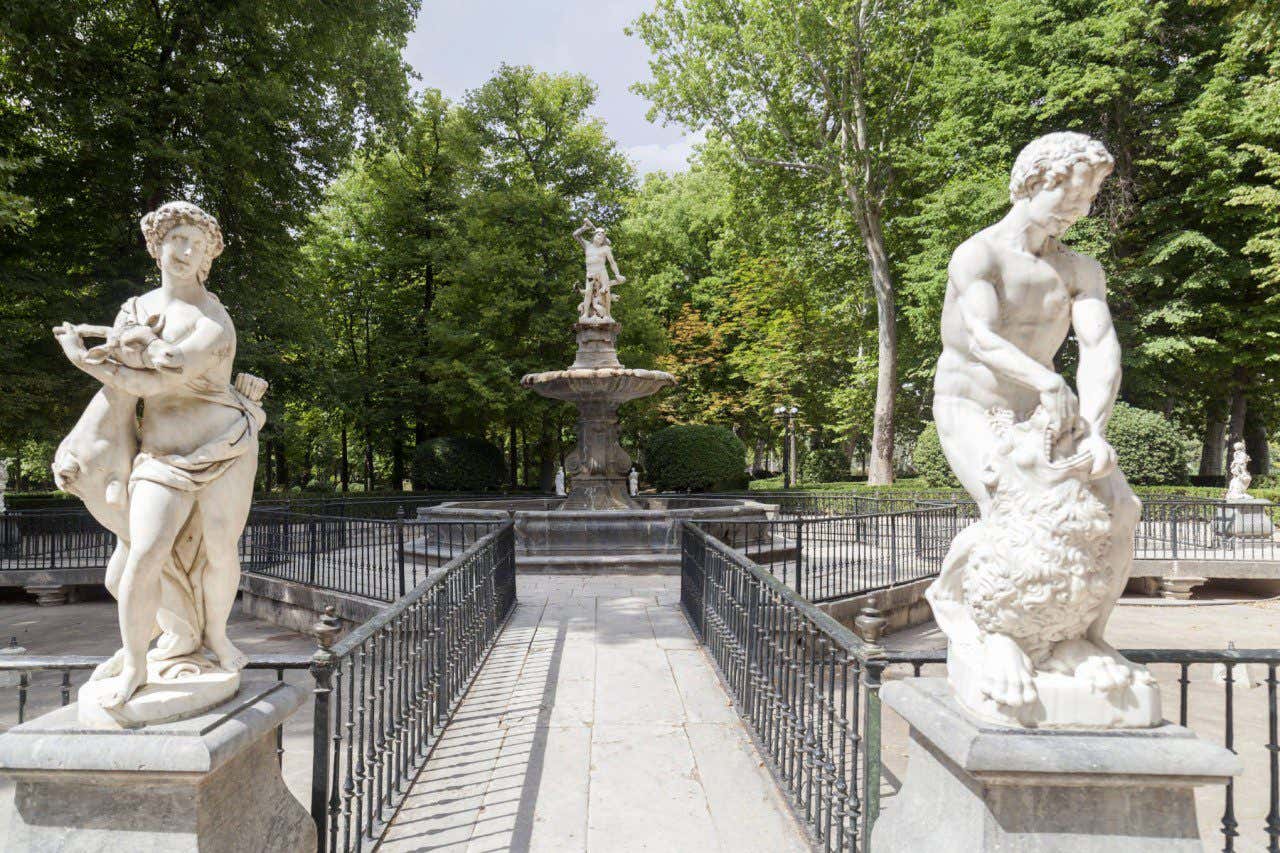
[
  {"x": 598, "y": 384},
  {"x": 598, "y": 526}
]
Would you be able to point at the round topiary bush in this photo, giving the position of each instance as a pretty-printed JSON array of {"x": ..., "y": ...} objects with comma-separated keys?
[
  {"x": 458, "y": 463},
  {"x": 824, "y": 465},
  {"x": 695, "y": 458},
  {"x": 930, "y": 462},
  {"x": 1149, "y": 449}
]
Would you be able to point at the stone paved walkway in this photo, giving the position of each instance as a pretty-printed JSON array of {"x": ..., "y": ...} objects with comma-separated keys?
[{"x": 598, "y": 724}]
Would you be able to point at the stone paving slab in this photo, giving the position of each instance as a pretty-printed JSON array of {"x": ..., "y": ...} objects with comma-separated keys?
[{"x": 598, "y": 724}]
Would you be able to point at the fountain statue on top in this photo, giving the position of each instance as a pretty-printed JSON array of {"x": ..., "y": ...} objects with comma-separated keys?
[{"x": 598, "y": 384}]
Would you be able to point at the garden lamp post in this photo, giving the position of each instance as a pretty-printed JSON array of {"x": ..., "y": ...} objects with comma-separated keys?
[{"x": 788, "y": 415}]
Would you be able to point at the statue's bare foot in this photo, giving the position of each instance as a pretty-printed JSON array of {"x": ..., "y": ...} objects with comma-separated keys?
[
  {"x": 1007, "y": 674},
  {"x": 109, "y": 668},
  {"x": 229, "y": 657},
  {"x": 131, "y": 678}
]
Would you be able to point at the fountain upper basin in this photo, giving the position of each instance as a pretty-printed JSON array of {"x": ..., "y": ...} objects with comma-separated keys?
[{"x": 611, "y": 384}]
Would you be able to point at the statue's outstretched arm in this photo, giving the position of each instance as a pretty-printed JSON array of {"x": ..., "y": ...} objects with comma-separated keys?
[
  {"x": 580, "y": 234},
  {"x": 193, "y": 355},
  {"x": 608, "y": 255}
]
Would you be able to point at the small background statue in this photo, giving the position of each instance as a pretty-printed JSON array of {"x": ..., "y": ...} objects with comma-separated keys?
[
  {"x": 175, "y": 488},
  {"x": 560, "y": 490},
  {"x": 4, "y": 481},
  {"x": 597, "y": 295},
  {"x": 1238, "y": 488},
  {"x": 633, "y": 480}
]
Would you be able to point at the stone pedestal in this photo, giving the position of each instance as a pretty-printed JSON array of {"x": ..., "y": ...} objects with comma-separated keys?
[
  {"x": 209, "y": 783},
  {"x": 974, "y": 787},
  {"x": 1246, "y": 517}
]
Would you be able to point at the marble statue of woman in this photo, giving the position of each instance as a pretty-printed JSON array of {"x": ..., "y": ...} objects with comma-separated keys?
[
  {"x": 175, "y": 487},
  {"x": 597, "y": 296},
  {"x": 1025, "y": 594}
]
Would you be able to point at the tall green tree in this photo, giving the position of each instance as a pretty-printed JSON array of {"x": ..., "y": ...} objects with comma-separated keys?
[
  {"x": 110, "y": 107},
  {"x": 821, "y": 88}
]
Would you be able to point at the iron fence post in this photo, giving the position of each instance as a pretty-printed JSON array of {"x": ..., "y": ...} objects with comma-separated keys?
[
  {"x": 800, "y": 556},
  {"x": 311, "y": 551},
  {"x": 322, "y": 665},
  {"x": 871, "y": 751},
  {"x": 400, "y": 547},
  {"x": 1173, "y": 529},
  {"x": 893, "y": 549}
]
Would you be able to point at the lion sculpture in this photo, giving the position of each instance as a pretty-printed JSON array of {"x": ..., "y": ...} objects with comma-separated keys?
[{"x": 1033, "y": 571}]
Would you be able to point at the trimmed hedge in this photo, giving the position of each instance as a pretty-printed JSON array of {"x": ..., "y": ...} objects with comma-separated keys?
[
  {"x": 1148, "y": 447},
  {"x": 459, "y": 463},
  {"x": 931, "y": 464},
  {"x": 695, "y": 458},
  {"x": 824, "y": 465}
]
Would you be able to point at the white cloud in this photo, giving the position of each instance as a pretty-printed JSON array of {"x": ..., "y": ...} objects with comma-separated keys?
[{"x": 669, "y": 157}]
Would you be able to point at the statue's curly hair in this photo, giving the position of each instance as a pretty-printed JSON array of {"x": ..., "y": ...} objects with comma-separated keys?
[
  {"x": 162, "y": 220},
  {"x": 1049, "y": 159}
]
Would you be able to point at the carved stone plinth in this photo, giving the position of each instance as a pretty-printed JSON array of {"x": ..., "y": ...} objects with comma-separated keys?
[
  {"x": 209, "y": 783},
  {"x": 49, "y": 595},
  {"x": 974, "y": 787}
]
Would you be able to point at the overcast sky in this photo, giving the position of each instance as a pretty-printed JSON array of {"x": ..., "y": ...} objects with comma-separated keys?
[{"x": 458, "y": 44}]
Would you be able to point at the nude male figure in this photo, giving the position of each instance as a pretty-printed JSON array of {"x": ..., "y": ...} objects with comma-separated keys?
[
  {"x": 599, "y": 292},
  {"x": 1013, "y": 293}
]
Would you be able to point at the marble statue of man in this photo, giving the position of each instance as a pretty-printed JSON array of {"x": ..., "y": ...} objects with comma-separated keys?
[
  {"x": 633, "y": 482},
  {"x": 175, "y": 488},
  {"x": 1238, "y": 488},
  {"x": 597, "y": 296},
  {"x": 1058, "y": 515},
  {"x": 560, "y": 490}
]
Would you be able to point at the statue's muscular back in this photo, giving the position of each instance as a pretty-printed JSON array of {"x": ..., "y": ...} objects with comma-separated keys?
[{"x": 1032, "y": 311}]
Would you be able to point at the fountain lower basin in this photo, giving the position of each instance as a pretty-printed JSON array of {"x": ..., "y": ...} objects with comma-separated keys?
[{"x": 551, "y": 538}]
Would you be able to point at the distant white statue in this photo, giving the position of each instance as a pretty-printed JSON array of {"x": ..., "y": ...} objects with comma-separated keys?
[
  {"x": 1025, "y": 594},
  {"x": 1238, "y": 488},
  {"x": 176, "y": 488},
  {"x": 4, "y": 481},
  {"x": 633, "y": 480},
  {"x": 560, "y": 490},
  {"x": 597, "y": 295}
]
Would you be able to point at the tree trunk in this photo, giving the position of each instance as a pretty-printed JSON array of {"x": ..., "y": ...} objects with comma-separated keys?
[
  {"x": 1255, "y": 444},
  {"x": 513, "y": 464},
  {"x": 344, "y": 467},
  {"x": 1211, "y": 449},
  {"x": 397, "y": 460},
  {"x": 1239, "y": 407},
  {"x": 269, "y": 470},
  {"x": 880, "y": 471},
  {"x": 368, "y": 459},
  {"x": 282, "y": 466},
  {"x": 547, "y": 467}
]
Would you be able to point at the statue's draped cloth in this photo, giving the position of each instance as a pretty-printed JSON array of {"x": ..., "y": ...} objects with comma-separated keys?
[{"x": 181, "y": 615}]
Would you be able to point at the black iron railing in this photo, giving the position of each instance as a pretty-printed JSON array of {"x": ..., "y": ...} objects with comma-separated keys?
[
  {"x": 1180, "y": 529},
  {"x": 808, "y": 690},
  {"x": 53, "y": 539},
  {"x": 386, "y": 692},
  {"x": 369, "y": 557},
  {"x": 830, "y": 557},
  {"x": 382, "y": 695}
]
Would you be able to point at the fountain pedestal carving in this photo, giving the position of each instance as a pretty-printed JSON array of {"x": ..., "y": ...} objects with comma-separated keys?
[{"x": 598, "y": 384}]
